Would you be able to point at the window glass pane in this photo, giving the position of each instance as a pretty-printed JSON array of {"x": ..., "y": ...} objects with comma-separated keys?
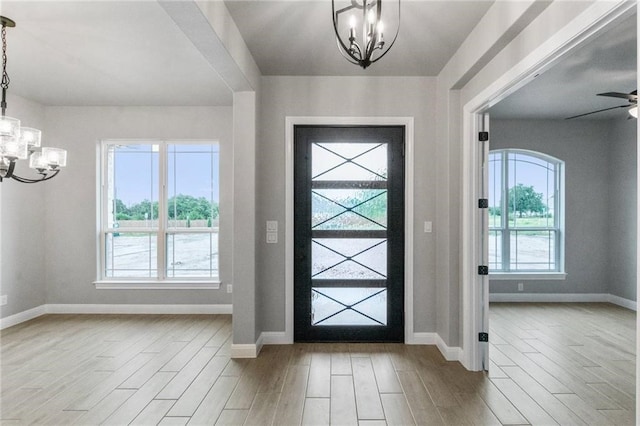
[
  {"x": 132, "y": 181},
  {"x": 532, "y": 250},
  {"x": 192, "y": 255},
  {"x": 349, "y": 258},
  {"x": 348, "y": 306},
  {"x": 193, "y": 190},
  {"x": 349, "y": 161},
  {"x": 129, "y": 254},
  {"x": 349, "y": 209},
  {"x": 530, "y": 182},
  {"x": 495, "y": 190},
  {"x": 495, "y": 250},
  {"x": 531, "y": 191},
  {"x": 132, "y": 186}
]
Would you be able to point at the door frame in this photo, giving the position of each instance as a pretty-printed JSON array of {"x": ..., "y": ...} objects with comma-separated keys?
[
  {"x": 407, "y": 122},
  {"x": 475, "y": 306}
]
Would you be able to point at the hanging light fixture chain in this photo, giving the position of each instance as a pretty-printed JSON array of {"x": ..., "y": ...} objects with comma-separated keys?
[{"x": 5, "y": 76}]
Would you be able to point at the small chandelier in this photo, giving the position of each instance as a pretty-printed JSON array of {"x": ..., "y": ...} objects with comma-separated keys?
[
  {"x": 20, "y": 143},
  {"x": 371, "y": 47}
]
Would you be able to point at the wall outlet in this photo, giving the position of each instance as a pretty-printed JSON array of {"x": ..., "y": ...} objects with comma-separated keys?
[
  {"x": 520, "y": 287},
  {"x": 3, "y": 300},
  {"x": 229, "y": 288}
]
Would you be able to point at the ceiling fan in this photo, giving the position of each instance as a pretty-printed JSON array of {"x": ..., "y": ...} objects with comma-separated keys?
[{"x": 632, "y": 105}]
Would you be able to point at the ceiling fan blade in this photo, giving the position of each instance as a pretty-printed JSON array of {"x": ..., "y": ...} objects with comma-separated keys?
[
  {"x": 594, "y": 112},
  {"x": 633, "y": 97}
]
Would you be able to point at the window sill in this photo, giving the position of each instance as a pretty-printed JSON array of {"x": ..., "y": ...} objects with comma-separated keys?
[
  {"x": 529, "y": 276},
  {"x": 156, "y": 285}
]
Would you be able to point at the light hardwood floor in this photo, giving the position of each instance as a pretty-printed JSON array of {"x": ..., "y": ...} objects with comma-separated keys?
[{"x": 551, "y": 364}]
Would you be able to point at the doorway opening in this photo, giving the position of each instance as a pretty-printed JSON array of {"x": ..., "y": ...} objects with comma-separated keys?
[
  {"x": 584, "y": 146},
  {"x": 475, "y": 292}
]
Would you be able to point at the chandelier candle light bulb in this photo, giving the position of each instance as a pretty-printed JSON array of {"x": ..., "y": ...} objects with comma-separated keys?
[
  {"x": 352, "y": 28},
  {"x": 20, "y": 143}
]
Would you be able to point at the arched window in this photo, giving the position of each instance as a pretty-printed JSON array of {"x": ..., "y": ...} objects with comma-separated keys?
[{"x": 526, "y": 220}]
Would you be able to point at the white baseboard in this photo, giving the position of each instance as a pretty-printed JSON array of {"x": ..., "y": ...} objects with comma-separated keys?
[
  {"x": 275, "y": 338},
  {"x": 422, "y": 338},
  {"x": 621, "y": 301},
  {"x": 137, "y": 309},
  {"x": 548, "y": 297},
  {"x": 563, "y": 298},
  {"x": 449, "y": 353},
  {"x": 112, "y": 309},
  {"x": 23, "y": 316},
  {"x": 245, "y": 350}
]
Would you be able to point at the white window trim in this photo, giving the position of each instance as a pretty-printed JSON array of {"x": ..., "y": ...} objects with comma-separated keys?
[
  {"x": 529, "y": 276},
  {"x": 128, "y": 284},
  {"x": 558, "y": 229},
  {"x": 133, "y": 283}
]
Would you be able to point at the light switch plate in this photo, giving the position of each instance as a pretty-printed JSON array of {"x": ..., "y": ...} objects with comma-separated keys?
[
  {"x": 272, "y": 237},
  {"x": 272, "y": 226},
  {"x": 428, "y": 227}
]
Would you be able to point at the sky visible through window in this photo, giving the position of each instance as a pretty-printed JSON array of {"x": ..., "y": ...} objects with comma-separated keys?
[
  {"x": 136, "y": 171},
  {"x": 523, "y": 169}
]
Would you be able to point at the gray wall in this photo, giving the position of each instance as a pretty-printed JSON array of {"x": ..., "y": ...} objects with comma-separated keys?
[
  {"x": 22, "y": 226},
  {"x": 61, "y": 218},
  {"x": 622, "y": 202},
  {"x": 599, "y": 158},
  {"x": 342, "y": 97}
]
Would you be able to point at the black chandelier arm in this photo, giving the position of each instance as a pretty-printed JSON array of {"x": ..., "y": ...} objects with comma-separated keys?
[
  {"x": 355, "y": 47},
  {"x": 44, "y": 177},
  {"x": 12, "y": 167},
  {"x": 341, "y": 44},
  {"x": 373, "y": 40},
  {"x": 394, "y": 38},
  {"x": 347, "y": 55},
  {"x": 345, "y": 9}
]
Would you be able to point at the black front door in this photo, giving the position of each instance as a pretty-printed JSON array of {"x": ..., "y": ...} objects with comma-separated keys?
[{"x": 349, "y": 233}]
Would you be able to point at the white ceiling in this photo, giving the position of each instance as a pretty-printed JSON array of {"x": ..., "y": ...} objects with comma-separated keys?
[
  {"x": 605, "y": 63},
  {"x": 297, "y": 37},
  {"x": 105, "y": 53},
  {"x": 132, "y": 53}
]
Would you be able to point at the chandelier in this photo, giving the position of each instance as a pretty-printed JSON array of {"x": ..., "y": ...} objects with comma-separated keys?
[
  {"x": 21, "y": 143},
  {"x": 366, "y": 16}
]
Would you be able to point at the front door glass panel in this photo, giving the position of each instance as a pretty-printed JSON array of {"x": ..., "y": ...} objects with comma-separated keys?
[{"x": 344, "y": 279}]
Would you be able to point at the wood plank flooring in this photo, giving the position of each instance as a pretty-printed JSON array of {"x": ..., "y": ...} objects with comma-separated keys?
[{"x": 568, "y": 364}]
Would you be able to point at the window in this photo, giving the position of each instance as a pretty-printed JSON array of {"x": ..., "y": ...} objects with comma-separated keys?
[
  {"x": 525, "y": 212},
  {"x": 159, "y": 212}
]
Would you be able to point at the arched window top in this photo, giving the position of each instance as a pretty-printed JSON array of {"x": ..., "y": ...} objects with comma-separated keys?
[
  {"x": 526, "y": 155},
  {"x": 526, "y": 204}
]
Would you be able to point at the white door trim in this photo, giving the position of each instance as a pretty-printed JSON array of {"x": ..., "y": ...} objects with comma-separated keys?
[
  {"x": 407, "y": 122},
  {"x": 582, "y": 27}
]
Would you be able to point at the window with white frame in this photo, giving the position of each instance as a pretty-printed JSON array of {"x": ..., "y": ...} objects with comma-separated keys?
[
  {"x": 525, "y": 212},
  {"x": 159, "y": 210}
]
